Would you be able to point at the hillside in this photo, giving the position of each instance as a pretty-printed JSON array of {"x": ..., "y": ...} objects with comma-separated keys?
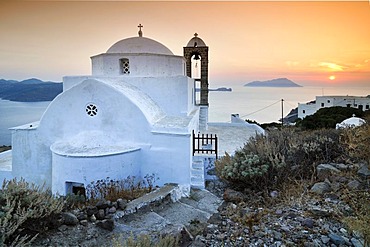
[
  {"x": 280, "y": 82},
  {"x": 30, "y": 90}
]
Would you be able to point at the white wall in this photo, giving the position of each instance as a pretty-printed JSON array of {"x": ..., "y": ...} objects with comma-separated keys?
[
  {"x": 174, "y": 94},
  {"x": 88, "y": 169},
  {"x": 141, "y": 65}
]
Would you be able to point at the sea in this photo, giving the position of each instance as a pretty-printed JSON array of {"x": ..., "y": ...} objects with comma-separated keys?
[{"x": 261, "y": 104}]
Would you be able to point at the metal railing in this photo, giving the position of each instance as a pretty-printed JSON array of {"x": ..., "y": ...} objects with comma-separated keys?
[{"x": 205, "y": 144}]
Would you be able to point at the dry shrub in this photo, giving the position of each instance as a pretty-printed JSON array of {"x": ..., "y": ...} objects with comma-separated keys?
[
  {"x": 268, "y": 160},
  {"x": 357, "y": 142},
  {"x": 359, "y": 201},
  {"x": 145, "y": 241},
  {"x": 25, "y": 210},
  {"x": 129, "y": 188}
]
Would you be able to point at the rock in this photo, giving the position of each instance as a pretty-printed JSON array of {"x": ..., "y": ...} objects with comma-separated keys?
[
  {"x": 308, "y": 223},
  {"x": 274, "y": 194},
  {"x": 102, "y": 204},
  {"x": 84, "y": 222},
  {"x": 107, "y": 224},
  {"x": 231, "y": 195},
  {"x": 70, "y": 219},
  {"x": 121, "y": 204},
  {"x": 364, "y": 171},
  {"x": 320, "y": 188},
  {"x": 62, "y": 228},
  {"x": 100, "y": 215},
  {"x": 215, "y": 219},
  {"x": 325, "y": 170},
  {"x": 336, "y": 239},
  {"x": 90, "y": 210},
  {"x": 357, "y": 243},
  {"x": 112, "y": 210},
  {"x": 341, "y": 167},
  {"x": 319, "y": 212},
  {"x": 93, "y": 218},
  {"x": 325, "y": 239},
  {"x": 81, "y": 216},
  {"x": 353, "y": 185}
]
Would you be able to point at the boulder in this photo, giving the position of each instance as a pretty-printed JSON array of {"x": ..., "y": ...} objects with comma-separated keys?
[
  {"x": 121, "y": 204},
  {"x": 70, "y": 219},
  {"x": 107, "y": 224},
  {"x": 325, "y": 170},
  {"x": 364, "y": 171},
  {"x": 353, "y": 185},
  {"x": 233, "y": 196},
  {"x": 336, "y": 239},
  {"x": 320, "y": 188},
  {"x": 90, "y": 210},
  {"x": 100, "y": 215},
  {"x": 102, "y": 204}
]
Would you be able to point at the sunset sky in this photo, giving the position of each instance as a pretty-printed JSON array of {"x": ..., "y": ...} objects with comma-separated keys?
[{"x": 312, "y": 43}]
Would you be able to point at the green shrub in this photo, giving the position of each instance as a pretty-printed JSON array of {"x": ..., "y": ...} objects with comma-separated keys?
[
  {"x": 328, "y": 117},
  {"x": 268, "y": 160},
  {"x": 25, "y": 210}
]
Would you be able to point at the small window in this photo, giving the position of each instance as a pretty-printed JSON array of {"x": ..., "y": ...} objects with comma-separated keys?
[
  {"x": 304, "y": 111},
  {"x": 322, "y": 104},
  {"x": 91, "y": 110},
  {"x": 367, "y": 107},
  {"x": 348, "y": 105},
  {"x": 124, "y": 66},
  {"x": 328, "y": 100}
]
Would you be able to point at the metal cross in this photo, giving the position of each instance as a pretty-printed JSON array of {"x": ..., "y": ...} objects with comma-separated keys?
[{"x": 140, "y": 32}]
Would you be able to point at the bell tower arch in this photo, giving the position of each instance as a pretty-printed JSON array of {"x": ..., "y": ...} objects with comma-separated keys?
[{"x": 196, "y": 50}]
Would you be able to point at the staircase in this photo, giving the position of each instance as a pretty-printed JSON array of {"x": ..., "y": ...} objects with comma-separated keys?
[
  {"x": 203, "y": 118},
  {"x": 197, "y": 180},
  {"x": 167, "y": 217}
]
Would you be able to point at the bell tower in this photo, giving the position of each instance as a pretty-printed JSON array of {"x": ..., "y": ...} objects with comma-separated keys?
[{"x": 196, "y": 55}]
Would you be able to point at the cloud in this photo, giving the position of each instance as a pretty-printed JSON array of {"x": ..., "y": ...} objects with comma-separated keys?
[{"x": 332, "y": 66}]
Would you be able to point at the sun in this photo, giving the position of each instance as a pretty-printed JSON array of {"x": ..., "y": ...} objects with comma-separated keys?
[{"x": 332, "y": 77}]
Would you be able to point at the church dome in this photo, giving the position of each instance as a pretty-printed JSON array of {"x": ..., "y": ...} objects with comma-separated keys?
[
  {"x": 196, "y": 42},
  {"x": 139, "y": 45}
]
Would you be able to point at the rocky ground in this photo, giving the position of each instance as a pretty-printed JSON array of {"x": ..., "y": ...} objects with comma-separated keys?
[{"x": 308, "y": 215}]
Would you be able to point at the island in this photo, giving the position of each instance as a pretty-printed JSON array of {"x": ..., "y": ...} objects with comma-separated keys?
[
  {"x": 30, "y": 90},
  {"x": 222, "y": 89},
  {"x": 279, "y": 82}
]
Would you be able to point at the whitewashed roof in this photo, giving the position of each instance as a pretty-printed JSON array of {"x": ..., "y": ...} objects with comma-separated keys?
[
  {"x": 351, "y": 122},
  {"x": 139, "y": 45}
]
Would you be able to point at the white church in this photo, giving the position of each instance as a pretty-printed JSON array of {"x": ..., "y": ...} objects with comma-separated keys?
[{"x": 133, "y": 116}]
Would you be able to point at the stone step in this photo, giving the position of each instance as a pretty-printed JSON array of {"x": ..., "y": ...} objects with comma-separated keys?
[
  {"x": 167, "y": 192},
  {"x": 182, "y": 213},
  {"x": 203, "y": 200}
]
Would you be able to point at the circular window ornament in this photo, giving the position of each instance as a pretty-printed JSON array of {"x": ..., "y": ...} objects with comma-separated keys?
[{"x": 91, "y": 110}]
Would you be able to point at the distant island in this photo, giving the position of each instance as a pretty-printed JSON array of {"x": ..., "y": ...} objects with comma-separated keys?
[
  {"x": 222, "y": 89},
  {"x": 280, "y": 82},
  {"x": 30, "y": 90}
]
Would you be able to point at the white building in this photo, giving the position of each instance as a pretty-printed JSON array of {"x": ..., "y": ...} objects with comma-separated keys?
[
  {"x": 362, "y": 103},
  {"x": 132, "y": 117}
]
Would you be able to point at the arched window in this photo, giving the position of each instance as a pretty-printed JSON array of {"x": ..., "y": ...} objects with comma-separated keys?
[{"x": 124, "y": 66}]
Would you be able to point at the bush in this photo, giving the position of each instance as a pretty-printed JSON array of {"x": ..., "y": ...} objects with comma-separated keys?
[
  {"x": 269, "y": 160},
  {"x": 357, "y": 142},
  {"x": 329, "y": 117},
  {"x": 146, "y": 241},
  {"x": 25, "y": 210}
]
